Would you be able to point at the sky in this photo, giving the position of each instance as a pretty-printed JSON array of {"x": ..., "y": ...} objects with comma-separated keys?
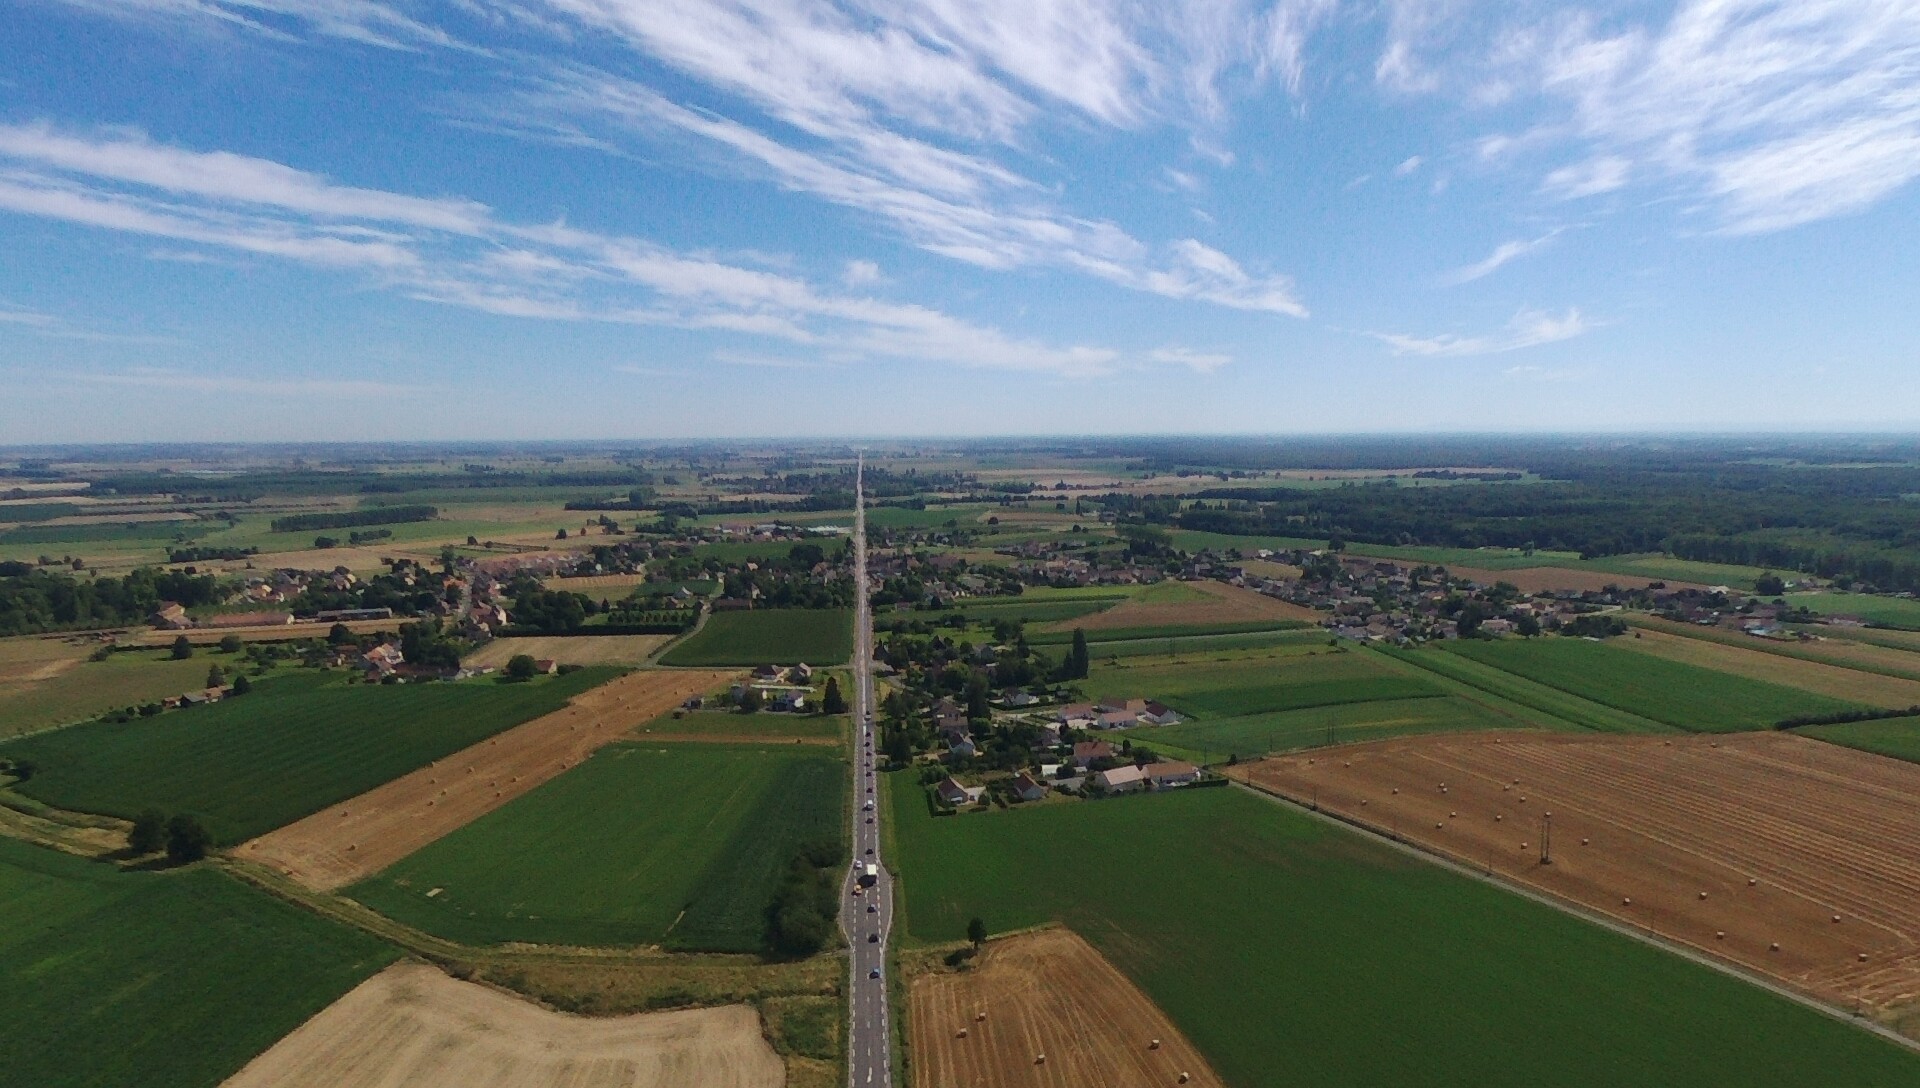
[{"x": 388, "y": 219}]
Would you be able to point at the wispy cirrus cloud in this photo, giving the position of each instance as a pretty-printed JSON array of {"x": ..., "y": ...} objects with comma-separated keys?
[
  {"x": 362, "y": 21},
  {"x": 459, "y": 252},
  {"x": 1529, "y": 328},
  {"x": 1501, "y": 255},
  {"x": 1765, "y": 114}
]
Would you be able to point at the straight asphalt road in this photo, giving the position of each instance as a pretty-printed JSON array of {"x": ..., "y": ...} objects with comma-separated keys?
[{"x": 866, "y": 909}]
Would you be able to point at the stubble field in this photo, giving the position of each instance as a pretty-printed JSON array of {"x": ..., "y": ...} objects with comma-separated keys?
[
  {"x": 1044, "y": 993},
  {"x": 1746, "y": 848},
  {"x": 412, "y": 1025}
]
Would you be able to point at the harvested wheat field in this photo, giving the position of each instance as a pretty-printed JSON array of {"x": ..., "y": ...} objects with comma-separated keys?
[
  {"x": 1796, "y": 859},
  {"x": 1757, "y": 664},
  {"x": 1224, "y": 604},
  {"x": 570, "y": 649},
  {"x": 359, "y": 837},
  {"x": 1044, "y": 1009},
  {"x": 411, "y": 1025},
  {"x": 276, "y": 632}
]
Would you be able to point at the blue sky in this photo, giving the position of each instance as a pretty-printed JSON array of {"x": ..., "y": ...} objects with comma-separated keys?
[{"x": 364, "y": 219}]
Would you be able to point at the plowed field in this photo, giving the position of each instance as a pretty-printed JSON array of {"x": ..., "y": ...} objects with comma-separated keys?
[
  {"x": 1044, "y": 995},
  {"x": 359, "y": 837},
  {"x": 412, "y": 1025},
  {"x": 1746, "y": 847}
]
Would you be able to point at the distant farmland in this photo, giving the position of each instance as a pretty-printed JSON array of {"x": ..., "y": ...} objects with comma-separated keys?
[
  {"x": 1290, "y": 951},
  {"x": 169, "y": 980},
  {"x": 295, "y": 745},
  {"x": 772, "y": 636},
  {"x": 680, "y": 844},
  {"x": 1684, "y": 696}
]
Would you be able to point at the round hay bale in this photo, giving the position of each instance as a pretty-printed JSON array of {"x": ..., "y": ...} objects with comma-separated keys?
[
  {"x": 1523, "y": 846},
  {"x": 962, "y": 1034},
  {"x": 1719, "y": 934},
  {"x": 1363, "y": 802},
  {"x": 1626, "y": 900},
  {"x": 1703, "y": 895},
  {"x": 979, "y": 1017},
  {"x": 353, "y": 846},
  {"x": 1437, "y": 827},
  {"x": 1039, "y": 1059},
  {"x": 1836, "y": 918},
  {"x": 1453, "y": 815},
  {"x": 1183, "y": 1076},
  {"x": 1863, "y": 957},
  {"x": 1497, "y": 817},
  {"x": 1774, "y": 947},
  {"x": 1751, "y": 882},
  {"x": 1586, "y": 842},
  {"x": 1154, "y": 1045},
  {"x": 1396, "y": 791}
]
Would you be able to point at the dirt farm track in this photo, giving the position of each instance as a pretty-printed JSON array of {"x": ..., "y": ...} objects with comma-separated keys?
[
  {"x": 359, "y": 837},
  {"x": 1796, "y": 859},
  {"x": 411, "y": 1025},
  {"x": 1044, "y": 993}
]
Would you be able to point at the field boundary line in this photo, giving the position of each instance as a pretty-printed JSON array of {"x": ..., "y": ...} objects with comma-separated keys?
[{"x": 1688, "y": 952}]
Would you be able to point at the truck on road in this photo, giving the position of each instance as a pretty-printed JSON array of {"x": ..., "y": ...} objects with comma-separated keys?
[{"x": 869, "y": 875}]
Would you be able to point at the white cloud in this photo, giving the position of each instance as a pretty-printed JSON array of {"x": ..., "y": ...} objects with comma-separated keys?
[
  {"x": 1408, "y": 166},
  {"x": 1203, "y": 361},
  {"x": 361, "y": 21},
  {"x": 234, "y": 384},
  {"x": 458, "y": 252},
  {"x": 1529, "y": 328},
  {"x": 1502, "y": 253},
  {"x": 860, "y": 274},
  {"x": 1766, "y": 113},
  {"x": 1602, "y": 174}
]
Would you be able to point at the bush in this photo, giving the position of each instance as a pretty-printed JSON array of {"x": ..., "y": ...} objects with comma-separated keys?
[
  {"x": 149, "y": 832},
  {"x": 241, "y": 685},
  {"x": 182, "y": 649},
  {"x": 230, "y": 644},
  {"x": 521, "y": 667},
  {"x": 187, "y": 840}
]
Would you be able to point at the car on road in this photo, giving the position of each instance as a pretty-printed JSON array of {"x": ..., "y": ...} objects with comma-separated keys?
[
  {"x": 869, "y": 819},
  {"x": 869, "y": 805},
  {"x": 872, "y": 909},
  {"x": 873, "y": 938},
  {"x": 875, "y": 973},
  {"x": 869, "y": 849}
]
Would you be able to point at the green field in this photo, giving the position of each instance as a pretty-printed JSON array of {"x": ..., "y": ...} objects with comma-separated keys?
[
  {"x": 765, "y": 725},
  {"x": 1254, "y": 685},
  {"x": 1189, "y": 645},
  {"x": 1684, "y": 696},
  {"x": 1896, "y": 737},
  {"x": 1553, "y": 705},
  {"x": 772, "y": 636},
  {"x": 161, "y": 980},
  {"x": 1025, "y": 611},
  {"x": 1886, "y": 611},
  {"x": 678, "y": 844},
  {"x": 1215, "y": 739},
  {"x": 87, "y": 689},
  {"x": 1645, "y": 565},
  {"x": 1165, "y": 633},
  {"x": 297, "y": 744},
  {"x": 1294, "y": 952}
]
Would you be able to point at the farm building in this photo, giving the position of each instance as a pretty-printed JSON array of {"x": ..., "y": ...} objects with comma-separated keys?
[
  {"x": 1127, "y": 779},
  {"x": 1087, "y": 751},
  {"x": 1028, "y": 788},
  {"x": 1171, "y": 773}
]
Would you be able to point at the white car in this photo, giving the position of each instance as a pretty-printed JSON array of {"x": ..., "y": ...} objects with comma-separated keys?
[{"x": 869, "y": 805}]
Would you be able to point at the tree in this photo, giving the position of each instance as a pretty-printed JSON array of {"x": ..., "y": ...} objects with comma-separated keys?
[
  {"x": 1077, "y": 661},
  {"x": 1769, "y": 585},
  {"x": 149, "y": 832},
  {"x": 187, "y": 839},
  {"x": 338, "y": 635},
  {"x": 182, "y": 649},
  {"x": 833, "y": 702},
  {"x": 216, "y": 676},
  {"x": 241, "y": 685},
  {"x": 230, "y": 644},
  {"x": 751, "y": 700},
  {"x": 521, "y": 667},
  {"x": 977, "y": 932},
  {"x": 1527, "y": 626}
]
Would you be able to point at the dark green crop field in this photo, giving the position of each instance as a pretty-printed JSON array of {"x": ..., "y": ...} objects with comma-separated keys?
[
  {"x": 161, "y": 980},
  {"x": 1295, "y": 952},
  {"x": 290, "y": 748},
  {"x": 773, "y": 636},
  {"x": 678, "y": 844},
  {"x": 1896, "y": 737},
  {"x": 1684, "y": 696}
]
